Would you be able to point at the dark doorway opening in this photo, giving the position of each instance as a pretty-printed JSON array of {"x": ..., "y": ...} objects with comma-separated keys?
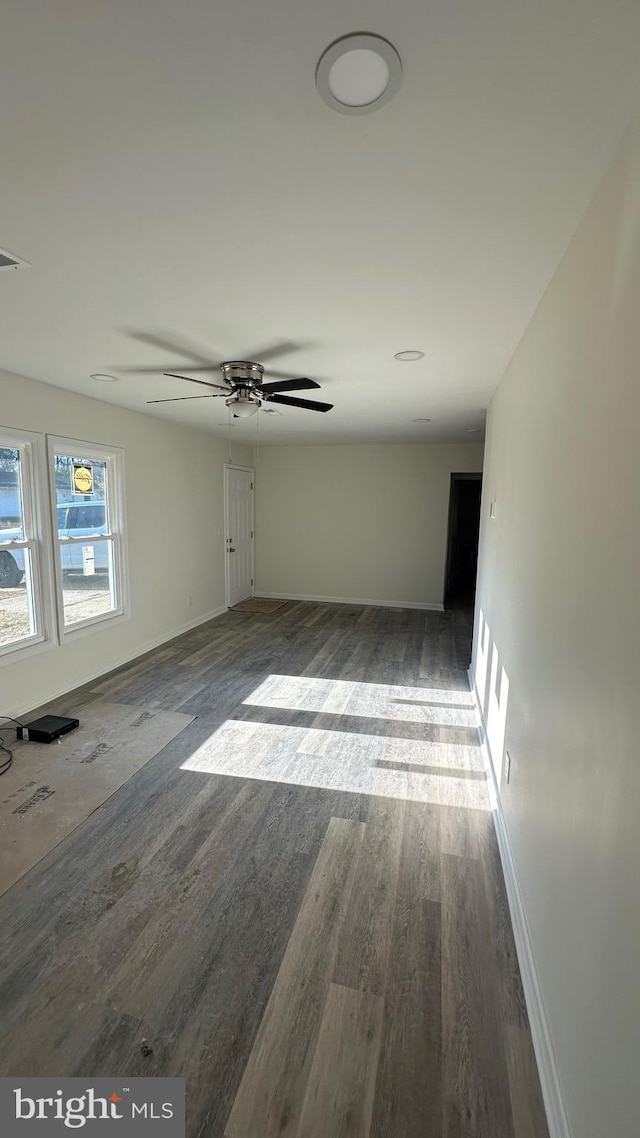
[{"x": 463, "y": 539}]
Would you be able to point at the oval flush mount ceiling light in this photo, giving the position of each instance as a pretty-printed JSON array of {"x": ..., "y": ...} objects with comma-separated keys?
[
  {"x": 358, "y": 73},
  {"x": 408, "y": 357},
  {"x": 102, "y": 377}
]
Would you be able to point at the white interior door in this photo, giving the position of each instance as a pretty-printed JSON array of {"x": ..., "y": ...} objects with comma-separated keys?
[{"x": 238, "y": 493}]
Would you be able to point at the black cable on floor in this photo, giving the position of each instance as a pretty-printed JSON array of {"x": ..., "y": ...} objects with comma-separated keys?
[
  {"x": 6, "y": 763},
  {"x": 4, "y": 766}
]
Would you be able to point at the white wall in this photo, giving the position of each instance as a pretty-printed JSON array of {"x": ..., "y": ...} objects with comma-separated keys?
[
  {"x": 559, "y": 586},
  {"x": 174, "y": 502},
  {"x": 356, "y": 522}
]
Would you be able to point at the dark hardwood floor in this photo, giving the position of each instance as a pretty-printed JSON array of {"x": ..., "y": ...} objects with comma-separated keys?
[{"x": 297, "y": 903}]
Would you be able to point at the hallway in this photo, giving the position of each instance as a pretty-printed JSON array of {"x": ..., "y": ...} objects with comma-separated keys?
[{"x": 297, "y": 904}]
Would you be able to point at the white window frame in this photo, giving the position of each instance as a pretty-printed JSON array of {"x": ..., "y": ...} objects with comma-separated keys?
[
  {"x": 33, "y": 471},
  {"x": 114, "y": 459}
]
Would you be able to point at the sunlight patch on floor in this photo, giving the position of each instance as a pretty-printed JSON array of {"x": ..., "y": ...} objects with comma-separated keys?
[
  {"x": 444, "y": 774},
  {"x": 375, "y": 701}
]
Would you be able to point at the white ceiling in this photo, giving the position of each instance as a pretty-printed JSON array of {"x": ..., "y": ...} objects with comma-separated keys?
[{"x": 168, "y": 168}]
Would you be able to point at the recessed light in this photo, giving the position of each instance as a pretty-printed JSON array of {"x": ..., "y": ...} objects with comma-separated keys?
[
  {"x": 358, "y": 73},
  {"x": 102, "y": 377},
  {"x": 421, "y": 420},
  {"x": 409, "y": 356}
]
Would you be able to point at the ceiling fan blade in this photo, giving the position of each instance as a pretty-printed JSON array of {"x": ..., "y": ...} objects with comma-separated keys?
[
  {"x": 308, "y": 404},
  {"x": 202, "y": 382},
  {"x": 273, "y": 352},
  {"x": 301, "y": 384},
  {"x": 181, "y": 398},
  {"x": 158, "y": 369},
  {"x": 179, "y": 346},
  {"x": 276, "y": 373}
]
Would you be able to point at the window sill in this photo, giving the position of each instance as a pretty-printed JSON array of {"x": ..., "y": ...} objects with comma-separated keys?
[
  {"x": 86, "y": 627},
  {"x": 23, "y": 649}
]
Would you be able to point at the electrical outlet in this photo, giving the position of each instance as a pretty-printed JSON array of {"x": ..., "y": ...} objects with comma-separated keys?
[{"x": 507, "y": 766}]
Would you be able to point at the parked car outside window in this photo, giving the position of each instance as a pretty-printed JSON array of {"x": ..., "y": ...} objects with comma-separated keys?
[{"x": 75, "y": 519}]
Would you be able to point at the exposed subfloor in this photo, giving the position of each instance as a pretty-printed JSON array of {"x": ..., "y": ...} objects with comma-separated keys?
[{"x": 297, "y": 903}]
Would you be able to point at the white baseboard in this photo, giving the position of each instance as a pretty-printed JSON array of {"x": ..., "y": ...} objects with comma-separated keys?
[
  {"x": 428, "y": 605},
  {"x": 141, "y": 650},
  {"x": 557, "y": 1118}
]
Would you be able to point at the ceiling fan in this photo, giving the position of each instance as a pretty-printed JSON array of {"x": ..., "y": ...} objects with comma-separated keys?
[
  {"x": 243, "y": 384},
  {"x": 246, "y": 391}
]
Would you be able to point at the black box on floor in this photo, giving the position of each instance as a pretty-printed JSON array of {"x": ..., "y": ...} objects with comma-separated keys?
[{"x": 46, "y": 728}]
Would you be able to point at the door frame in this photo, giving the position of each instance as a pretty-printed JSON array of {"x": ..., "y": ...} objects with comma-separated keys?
[
  {"x": 249, "y": 470},
  {"x": 456, "y": 479}
]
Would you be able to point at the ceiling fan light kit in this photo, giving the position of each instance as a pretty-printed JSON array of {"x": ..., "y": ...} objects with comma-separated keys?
[
  {"x": 243, "y": 406},
  {"x": 358, "y": 74}
]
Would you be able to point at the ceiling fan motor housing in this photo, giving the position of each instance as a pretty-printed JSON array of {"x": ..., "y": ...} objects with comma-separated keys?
[{"x": 242, "y": 372}]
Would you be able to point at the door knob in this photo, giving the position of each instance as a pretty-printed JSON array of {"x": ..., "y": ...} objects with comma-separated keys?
[{"x": 231, "y": 549}]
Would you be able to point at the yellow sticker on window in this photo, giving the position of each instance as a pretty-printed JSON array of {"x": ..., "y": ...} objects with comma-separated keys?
[{"x": 82, "y": 478}]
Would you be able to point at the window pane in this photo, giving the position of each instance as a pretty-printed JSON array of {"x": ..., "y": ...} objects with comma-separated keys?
[
  {"x": 89, "y": 528},
  {"x": 10, "y": 493},
  {"x": 17, "y": 614},
  {"x": 18, "y": 620},
  {"x": 88, "y": 581}
]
